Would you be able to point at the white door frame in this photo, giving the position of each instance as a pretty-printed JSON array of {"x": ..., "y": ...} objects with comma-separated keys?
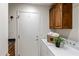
[{"x": 17, "y": 39}]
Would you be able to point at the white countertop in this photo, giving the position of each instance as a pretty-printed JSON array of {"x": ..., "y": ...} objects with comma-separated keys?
[{"x": 65, "y": 51}]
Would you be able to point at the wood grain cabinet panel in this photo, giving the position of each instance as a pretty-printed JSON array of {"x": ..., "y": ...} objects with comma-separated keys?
[{"x": 60, "y": 16}]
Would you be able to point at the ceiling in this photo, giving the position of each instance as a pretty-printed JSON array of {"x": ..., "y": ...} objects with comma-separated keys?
[{"x": 43, "y": 4}]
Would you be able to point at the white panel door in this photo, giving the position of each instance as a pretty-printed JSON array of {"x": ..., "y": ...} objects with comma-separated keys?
[{"x": 28, "y": 27}]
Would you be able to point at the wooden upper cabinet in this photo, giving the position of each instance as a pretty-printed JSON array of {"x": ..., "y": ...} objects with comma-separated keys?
[
  {"x": 60, "y": 16},
  {"x": 57, "y": 18}
]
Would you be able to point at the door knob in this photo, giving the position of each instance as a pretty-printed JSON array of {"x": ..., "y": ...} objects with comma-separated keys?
[
  {"x": 19, "y": 36},
  {"x": 36, "y": 36},
  {"x": 36, "y": 39}
]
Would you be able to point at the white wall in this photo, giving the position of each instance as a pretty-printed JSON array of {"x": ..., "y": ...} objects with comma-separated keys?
[
  {"x": 44, "y": 13},
  {"x": 3, "y": 29},
  {"x": 74, "y": 32}
]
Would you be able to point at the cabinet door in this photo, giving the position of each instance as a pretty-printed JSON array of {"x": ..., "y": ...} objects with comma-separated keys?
[
  {"x": 51, "y": 18},
  {"x": 67, "y": 15},
  {"x": 58, "y": 16}
]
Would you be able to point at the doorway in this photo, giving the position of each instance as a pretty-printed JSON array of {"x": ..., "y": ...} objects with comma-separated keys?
[{"x": 28, "y": 25}]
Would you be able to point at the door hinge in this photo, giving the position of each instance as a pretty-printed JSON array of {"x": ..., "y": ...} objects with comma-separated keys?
[
  {"x": 19, "y": 36},
  {"x": 17, "y": 16}
]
